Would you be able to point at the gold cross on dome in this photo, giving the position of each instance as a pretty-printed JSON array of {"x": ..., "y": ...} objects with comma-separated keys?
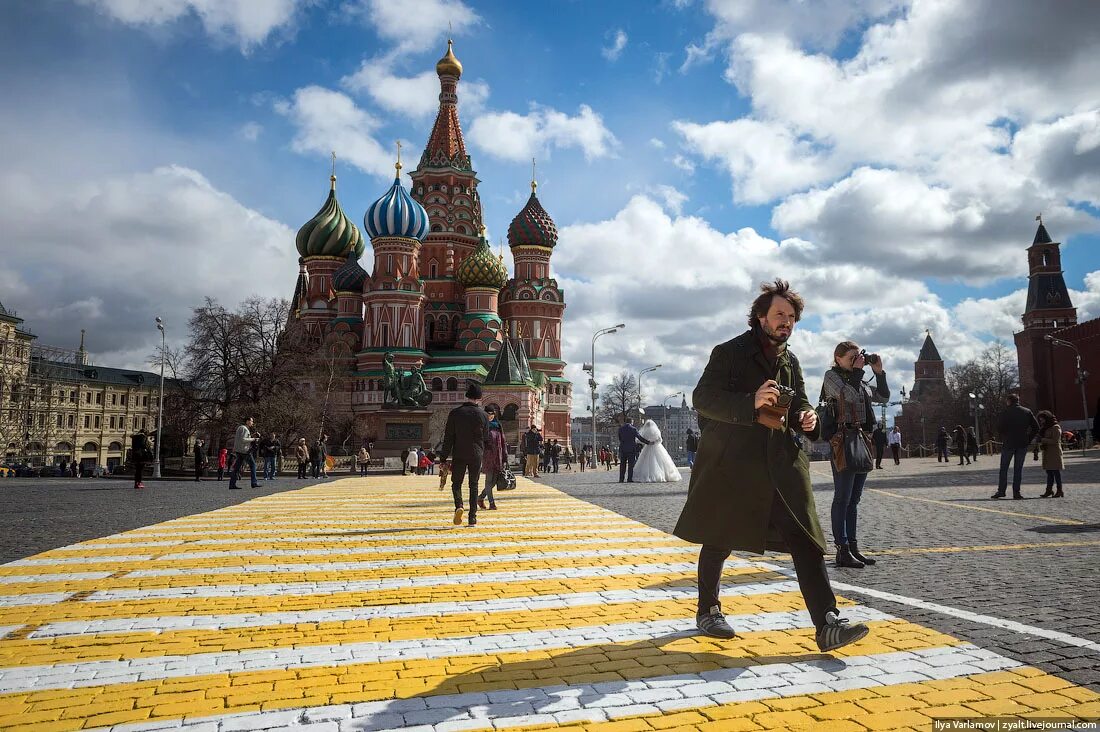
[{"x": 398, "y": 166}]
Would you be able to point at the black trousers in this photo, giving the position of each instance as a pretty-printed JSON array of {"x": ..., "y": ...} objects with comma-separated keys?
[
  {"x": 460, "y": 468},
  {"x": 626, "y": 464},
  {"x": 895, "y": 449},
  {"x": 880, "y": 451},
  {"x": 809, "y": 565}
]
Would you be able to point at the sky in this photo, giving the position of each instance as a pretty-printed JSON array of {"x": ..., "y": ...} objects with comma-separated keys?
[{"x": 888, "y": 157}]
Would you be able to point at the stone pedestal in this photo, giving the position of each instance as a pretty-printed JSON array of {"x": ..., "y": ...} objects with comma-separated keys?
[{"x": 400, "y": 429}]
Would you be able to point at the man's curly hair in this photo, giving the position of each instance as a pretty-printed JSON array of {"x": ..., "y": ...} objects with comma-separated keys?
[{"x": 763, "y": 302}]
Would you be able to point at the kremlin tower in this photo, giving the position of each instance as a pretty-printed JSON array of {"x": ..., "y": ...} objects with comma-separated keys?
[{"x": 437, "y": 297}]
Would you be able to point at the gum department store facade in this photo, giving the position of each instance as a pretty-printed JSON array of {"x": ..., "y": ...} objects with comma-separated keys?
[{"x": 437, "y": 297}]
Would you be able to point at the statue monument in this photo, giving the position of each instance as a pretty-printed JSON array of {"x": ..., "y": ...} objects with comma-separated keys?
[{"x": 400, "y": 390}]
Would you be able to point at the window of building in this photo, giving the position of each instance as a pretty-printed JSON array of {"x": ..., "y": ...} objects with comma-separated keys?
[
  {"x": 72, "y": 421},
  {"x": 99, "y": 397},
  {"x": 72, "y": 397},
  {"x": 87, "y": 421},
  {"x": 97, "y": 422},
  {"x": 114, "y": 399},
  {"x": 58, "y": 421},
  {"x": 143, "y": 422},
  {"x": 145, "y": 400},
  {"x": 437, "y": 384}
]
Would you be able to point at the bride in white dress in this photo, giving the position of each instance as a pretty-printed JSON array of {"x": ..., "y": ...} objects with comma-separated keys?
[{"x": 654, "y": 464}]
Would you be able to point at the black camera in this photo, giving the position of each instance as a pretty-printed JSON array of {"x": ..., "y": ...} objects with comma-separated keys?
[
  {"x": 786, "y": 394},
  {"x": 871, "y": 358}
]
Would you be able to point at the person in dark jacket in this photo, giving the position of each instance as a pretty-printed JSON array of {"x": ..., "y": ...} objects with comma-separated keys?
[
  {"x": 628, "y": 449},
  {"x": 691, "y": 446},
  {"x": 315, "y": 459},
  {"x": 532, "y": 443},
  {"x": 971, "y": 444},
  {"x": 941, "y": 446},
  {"x": 495, "y": 460},
  {"x": 750, "y": 489},
  {"x": 140, "y": 454},
  {"x": 878, "y": 438},
  {"x": 1016, "y": 428},
  {"x": 200, "y": 459},
  {"x": 466, "y": 437},
  {"x": 959, "y": 436}
]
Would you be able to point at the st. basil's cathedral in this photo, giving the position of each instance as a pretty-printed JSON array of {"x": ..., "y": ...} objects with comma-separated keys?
[{"x": 436, "y": 297}]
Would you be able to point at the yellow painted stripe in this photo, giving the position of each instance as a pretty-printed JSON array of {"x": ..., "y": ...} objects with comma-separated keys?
[
  {"x": 951, "y": 504},
  {"x": 274, "y": 689},
  {"x": 956, "y": 549},
  {"x": 114, "y": 646},
  {"x": 404, "y": 596}
]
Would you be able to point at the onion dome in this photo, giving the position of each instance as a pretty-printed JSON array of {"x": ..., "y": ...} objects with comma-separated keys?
[
  {"x": 330, "y": 233},
  {"x": 532, "y": 226},
  {"x": 350, "y": 277},
  {"x": 448, "y": 65},
  {"x": 396, "y": 214},
  {"x": 482, "y": 269}
]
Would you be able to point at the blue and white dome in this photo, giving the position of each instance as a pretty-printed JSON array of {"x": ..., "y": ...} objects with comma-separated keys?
[{"x": 396, "y": 214}]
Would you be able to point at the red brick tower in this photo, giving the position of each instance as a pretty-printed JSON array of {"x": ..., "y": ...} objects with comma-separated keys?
[{"x": 445, "y": 183}]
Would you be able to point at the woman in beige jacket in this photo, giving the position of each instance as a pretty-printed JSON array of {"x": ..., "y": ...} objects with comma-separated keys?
[{"x": 1050, "y": 440}]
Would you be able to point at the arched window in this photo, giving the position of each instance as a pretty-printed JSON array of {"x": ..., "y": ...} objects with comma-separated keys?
[
  {"x": 452, "y": 384},
  {"x": 91, "y": 447},
  {"x": 511, "y": 412},
  {"x": 437, "y": 384},
  {"x": 115, "y": 447},
  {"x": 385, "y": 333},
  {"x": 63, "y": 447},
  {"x": 433, "y": 269},
  {"x": 437, "y": 227},
  {"x": 429, "y": 328},
  {"x": 462, "y": 229}
]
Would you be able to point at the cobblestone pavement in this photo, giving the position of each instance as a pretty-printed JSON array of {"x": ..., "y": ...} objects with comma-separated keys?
[
  {"x": 941, "y": 539},
  {"x": 38, "y": 514},
  {"x": 358, "y": 605}
]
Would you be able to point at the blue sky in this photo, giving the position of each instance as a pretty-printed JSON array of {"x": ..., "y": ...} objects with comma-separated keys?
[{"x": 886, "y": 156}]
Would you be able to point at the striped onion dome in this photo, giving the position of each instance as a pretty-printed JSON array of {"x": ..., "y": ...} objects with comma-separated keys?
[
  {"x": 482, "y": 269},
  {"x": 532, "y": 226},
  {"x": 396, "y": 214},
  {"x": 330, "y": 233},
  {"x": 350, "y": 277}
]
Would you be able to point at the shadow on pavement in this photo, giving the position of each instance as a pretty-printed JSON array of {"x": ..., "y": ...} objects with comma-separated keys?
[{"x": 1065, "y": 529}]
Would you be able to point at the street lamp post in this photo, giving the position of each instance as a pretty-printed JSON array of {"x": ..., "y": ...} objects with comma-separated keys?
[
  {"x": 664, "y": 415},
  {"x": 641, "y": 400},
  {"x": 591, "y": 369},
  {"x": 160, "y": 401},
  {"x": 1082, "y": 375}
]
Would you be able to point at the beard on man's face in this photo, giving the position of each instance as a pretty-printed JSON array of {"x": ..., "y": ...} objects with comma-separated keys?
[{"x": 773, "y": 335}]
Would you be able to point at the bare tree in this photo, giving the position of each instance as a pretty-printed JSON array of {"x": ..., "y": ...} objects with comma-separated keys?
[
  {"x": 619, "y": 399},
  {"x": 990, "y": 377}
]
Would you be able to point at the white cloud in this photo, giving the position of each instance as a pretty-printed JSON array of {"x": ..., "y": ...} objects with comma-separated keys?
[
  {"x": 247, "y": 23},
  {"x": 250, "y": 131},
  {"x": 655, "y": 143},
  {"x": 417, "y": 96},
  {"x": 511, "y": 136},
  {"x": 618, "y": 43},
  {"x": 674, "y": 200},
  {"x": 416, "y": 24},
  {"x": 328, "y": 120}
]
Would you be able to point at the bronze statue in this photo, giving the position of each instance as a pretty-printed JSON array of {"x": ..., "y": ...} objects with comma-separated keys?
[{"x": 403, "y": 390}]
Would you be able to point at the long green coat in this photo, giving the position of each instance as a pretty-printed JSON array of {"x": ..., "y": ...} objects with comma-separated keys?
[{"x": 741, "y": 463}]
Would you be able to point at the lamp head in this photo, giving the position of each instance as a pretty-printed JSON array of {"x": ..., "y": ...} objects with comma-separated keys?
[
  {"x": 159, "y": 320},
  {"x": 971, "y": 395},
  {"x": 1049, "y": 337},
  {"x": 621, "y": 325}
]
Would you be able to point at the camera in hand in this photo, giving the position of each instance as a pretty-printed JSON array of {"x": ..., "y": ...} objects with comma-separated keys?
[
  {"x": 871, "y": 358},
  {"x": 775, "y": 416}
]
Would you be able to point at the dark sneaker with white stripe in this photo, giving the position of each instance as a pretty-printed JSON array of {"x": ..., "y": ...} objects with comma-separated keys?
[
  {"x": 837, "y": 632},
  {"x": 714, "y": 624}
]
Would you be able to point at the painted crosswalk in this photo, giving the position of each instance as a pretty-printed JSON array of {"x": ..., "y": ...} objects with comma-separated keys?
[{"x": 336, "y": 607}]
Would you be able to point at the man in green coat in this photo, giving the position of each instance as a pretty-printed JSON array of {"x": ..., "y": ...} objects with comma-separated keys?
[{"x": 750, "y": 487}]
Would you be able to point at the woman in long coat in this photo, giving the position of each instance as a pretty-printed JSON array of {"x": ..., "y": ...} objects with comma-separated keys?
[
  {"x": 494, "y": 460},
  {"x": 1050, "y": 440}
]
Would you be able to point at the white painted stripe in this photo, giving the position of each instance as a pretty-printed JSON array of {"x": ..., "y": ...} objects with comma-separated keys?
[
  {"x": 47, "y": 561},
  {"x": 43, "y": 598},
  {"x": 595, "y": 522},
  {"x": 1023, "y": 629},
  {"x": 143, "y": 544},
  {"x": 323, "y": 588},
  {"x": 470, "y": 560},
  {"x": 610, "y": 700},
  {"x": 161, "y": 624},
  {"x": 5, "y": 629},
  {"x": 69, "y": 577},
  {"x": 94, "y": 673}
]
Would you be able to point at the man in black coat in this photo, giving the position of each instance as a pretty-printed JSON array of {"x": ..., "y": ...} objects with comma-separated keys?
[
  {"x": 691, "y": 446},
  {"x": 878, "y": 437},
  {"x": 1016, "y": 428},
  {"x": 465, "y": 438},
  {"x": 532, "y": 444},
  {"x": 628, "y": 449},
  {"x": 200, "y": 459}
]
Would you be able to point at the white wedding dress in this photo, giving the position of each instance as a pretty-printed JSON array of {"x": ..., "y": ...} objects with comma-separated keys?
[{"x": 654, "y": 464}]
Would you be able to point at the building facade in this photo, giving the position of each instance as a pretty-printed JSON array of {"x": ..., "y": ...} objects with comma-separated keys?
[
  {"x": 57, "y": 408},
  {"x": 1049, "y": 374},
  {"x": 436, "y": 297},
  {"x": 929, "y": 405},
  {"x": 674, "y": 422}
]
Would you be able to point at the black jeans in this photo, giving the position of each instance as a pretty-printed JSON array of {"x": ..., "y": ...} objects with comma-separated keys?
[
  {"x": 459, "y": 468},
  {"x": 880, "y": 451},
  {"x": 626, "y": 463},
  {"x": 302, "y": 469},
  {"x": 809, "y": 565},
  {"x": 895, "y": 449}
]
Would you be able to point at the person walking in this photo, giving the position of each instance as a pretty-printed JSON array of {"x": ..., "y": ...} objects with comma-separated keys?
[
  {"x": 363, "y": 458},
  {"x": 405, "y": 460},
  {"x": 265, "y": 449},
  {"x": 322, "y": 455},
  {"x": 1017, "y": 427},
  {"x": 466, "y": 437},
  {"x": 555, "y": 455},
  {"x": 878, "y": 439},
  {"x": 532, "y": 442},
  {"x": 893, "y": 440},
  {"x": 301, "y": 455},
  {"x": 494, "y": 460},
  {"x": 223, "y": 460},
  {"x": 941, "y": 446},
  {"x": 315, "y": 459},
  {"x": 843, "y": 386},
  {"x": 412, "y": 460},
  {"x": 140, "y": 454},
  {"x": 200, "y": 460},
  {"x": 750, "y": 489},
  {"x": 628, "y": 449},
  {"x": 243, "y": 441},
  {"x": 691, "y": 446},
  {"x": 1050, "y": 442},
  {"x": 959, "y": 436},
  {"x": 971, "y": 444}
]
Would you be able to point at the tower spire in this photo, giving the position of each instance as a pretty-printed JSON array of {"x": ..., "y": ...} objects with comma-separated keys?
[
  {"x": 332, "y": 178},
  {"x": 534, "y": 181},
  {"x": 398, "y": 164}
]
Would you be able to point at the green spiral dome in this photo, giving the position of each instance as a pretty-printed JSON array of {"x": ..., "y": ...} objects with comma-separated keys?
[{"x": 330, "y": 233}]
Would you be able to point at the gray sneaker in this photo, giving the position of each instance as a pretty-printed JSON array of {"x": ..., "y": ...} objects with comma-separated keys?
[
  {"x": 714, "y": 624},
  {"x": 837, "y": 632}
]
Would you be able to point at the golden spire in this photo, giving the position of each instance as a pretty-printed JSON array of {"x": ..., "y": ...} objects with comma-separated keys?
[
  {"x": 398, "y": 164},
  {"x": 534, "y": 183},
  {"x": 332, "y": 178},
  {"x": 449, "y": 65}
]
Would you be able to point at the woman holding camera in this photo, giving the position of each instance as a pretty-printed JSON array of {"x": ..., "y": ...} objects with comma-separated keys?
[{"x": 843, "y": 386}]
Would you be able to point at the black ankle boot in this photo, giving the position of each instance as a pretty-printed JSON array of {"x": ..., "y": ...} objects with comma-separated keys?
[
  {"x": 859, "y": 557},
  {"x": 844, "y": 558}
]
